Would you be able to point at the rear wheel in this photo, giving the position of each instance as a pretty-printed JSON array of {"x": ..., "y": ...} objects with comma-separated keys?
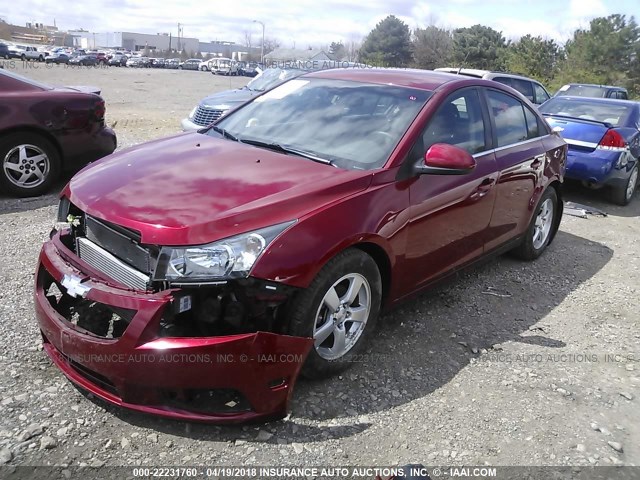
[
  {"x": 623, "y": 194},
  {"x": 339, "y": 311},
  {"x": 30, "y": 164},
  {"x": 540, "y": 229}
]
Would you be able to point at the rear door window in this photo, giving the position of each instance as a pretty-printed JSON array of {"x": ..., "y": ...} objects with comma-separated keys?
[
  {"x": 509, "y": 118},
  {"x": 524, "y": 87}
]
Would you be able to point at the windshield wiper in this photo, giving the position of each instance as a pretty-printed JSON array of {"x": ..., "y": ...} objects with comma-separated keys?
[
  {"x": 224, "y": 133},
  {"x": 281, "y": 148}
]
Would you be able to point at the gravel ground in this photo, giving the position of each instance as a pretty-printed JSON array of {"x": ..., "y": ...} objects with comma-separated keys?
[{"x": 509, "y": 364}]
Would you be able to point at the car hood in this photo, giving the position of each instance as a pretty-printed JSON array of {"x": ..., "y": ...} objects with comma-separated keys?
[
  {"x": 193, "y": 189},
  {"x": 229, "y": 97}
]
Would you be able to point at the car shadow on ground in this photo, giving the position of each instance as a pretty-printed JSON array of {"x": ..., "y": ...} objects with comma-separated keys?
[
  {"x": 18, "y": 205},
  {"x": 422, "y": 345},
  {"x": 575, "y": 192}
]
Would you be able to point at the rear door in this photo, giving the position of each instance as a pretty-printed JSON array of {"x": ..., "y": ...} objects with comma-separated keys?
[{"x": 521, "y": 158}]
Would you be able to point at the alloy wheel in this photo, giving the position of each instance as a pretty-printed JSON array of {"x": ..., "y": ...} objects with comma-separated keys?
[
  {"x": 26, "y": 166},
  {"x": 342, "y": 316},
  {"x": 631, "y": 186},
  {"x": 543, "y": 224}
]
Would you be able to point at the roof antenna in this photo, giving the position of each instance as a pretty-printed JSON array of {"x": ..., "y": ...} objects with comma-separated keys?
[{"x": 462, "y": 64}]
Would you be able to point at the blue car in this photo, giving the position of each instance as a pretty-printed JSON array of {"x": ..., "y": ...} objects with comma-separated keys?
[{"x": 604, "y": 141}]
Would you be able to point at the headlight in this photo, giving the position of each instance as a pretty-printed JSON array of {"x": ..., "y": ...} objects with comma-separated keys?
[
  {"x": 193, "y": 112},
  {"x": 233, "y": 257}
]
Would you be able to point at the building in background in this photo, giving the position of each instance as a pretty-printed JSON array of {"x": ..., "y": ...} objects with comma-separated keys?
[
  {"x": 135, "y": 41},
  {"x": 296, "y": 55},
  {"x": 232, "y": 50}
]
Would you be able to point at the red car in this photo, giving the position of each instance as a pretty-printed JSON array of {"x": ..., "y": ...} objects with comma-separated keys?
[
  {"x": 194, "y": 277},
  {"x": 45, "y": 130}
]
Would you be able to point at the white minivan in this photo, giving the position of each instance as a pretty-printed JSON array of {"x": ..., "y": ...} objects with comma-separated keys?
[{"x": 224, "y": 66}]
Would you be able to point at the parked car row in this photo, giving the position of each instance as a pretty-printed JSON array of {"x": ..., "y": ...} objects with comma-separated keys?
[{"x": 63, "y": 55}]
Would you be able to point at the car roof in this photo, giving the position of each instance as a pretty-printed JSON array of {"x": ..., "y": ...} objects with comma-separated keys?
[
  {"x": 594, "y": 85},
  {"x": 472, "y": 72},
  {"x": 413, "y": 78}
]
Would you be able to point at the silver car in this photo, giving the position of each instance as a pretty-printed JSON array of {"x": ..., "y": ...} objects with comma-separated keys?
[{"x": 211, "y": 108}]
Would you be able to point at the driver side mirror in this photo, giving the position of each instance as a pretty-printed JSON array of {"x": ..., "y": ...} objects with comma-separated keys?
[{"x": 445, "y": 159}]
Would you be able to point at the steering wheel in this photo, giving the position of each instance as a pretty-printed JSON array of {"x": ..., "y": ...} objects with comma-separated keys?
[{"x": 386, "y": 135}]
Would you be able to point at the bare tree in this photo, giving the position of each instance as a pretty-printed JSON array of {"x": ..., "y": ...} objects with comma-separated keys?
[
  {"x": 270, "y": 44},
  {"x": 353, "y": 47},
  {"x": 247, "y": 39}
]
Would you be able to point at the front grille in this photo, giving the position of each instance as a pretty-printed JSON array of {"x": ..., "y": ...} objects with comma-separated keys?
[
  {"x": 109, "y": 265},
  {"x": 205, "y": 116},
  {"x": 119, "y": 242},
  {"x": 99, "y": 319}
]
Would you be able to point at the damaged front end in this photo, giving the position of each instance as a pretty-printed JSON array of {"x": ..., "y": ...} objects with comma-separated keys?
[{"x": 200, "y": 351}]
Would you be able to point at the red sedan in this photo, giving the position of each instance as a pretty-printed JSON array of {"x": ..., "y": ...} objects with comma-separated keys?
[
  {"x": 194, "y": 277},
  {"x": 46, "y": 130}
]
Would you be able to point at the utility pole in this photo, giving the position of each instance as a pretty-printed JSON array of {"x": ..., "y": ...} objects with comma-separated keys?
[
  {"x": 179, "y": 38},
  {"x": 262, "y": 46}
]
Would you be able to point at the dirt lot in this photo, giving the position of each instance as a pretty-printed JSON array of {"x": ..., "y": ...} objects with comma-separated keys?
[{"x": 509, "y": 364}]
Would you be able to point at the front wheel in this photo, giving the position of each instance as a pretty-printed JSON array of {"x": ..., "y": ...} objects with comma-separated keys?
[
  {"x": 541, "y": 228},
  {"x": 30, "y": 164},
  {"x": 339, "y": 311},
  {"x": 623, "y": 194}
]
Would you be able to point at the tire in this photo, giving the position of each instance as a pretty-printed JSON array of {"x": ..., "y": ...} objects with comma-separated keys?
[
  {"x": 623, "y": 194},
  {"x": 23, "y": 58},
  {"x": 309, "y": 311},
  {"x": 541, "y": 228},
  {"x": 46, "y": 160},
  {"x": 41, "y": 58}
]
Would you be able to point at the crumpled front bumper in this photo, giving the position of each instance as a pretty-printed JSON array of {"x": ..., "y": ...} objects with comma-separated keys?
[{"x": 226, "y": 379}]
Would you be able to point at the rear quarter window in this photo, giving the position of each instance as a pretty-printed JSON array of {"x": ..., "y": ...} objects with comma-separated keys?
[{"x": 541, "y": 94}]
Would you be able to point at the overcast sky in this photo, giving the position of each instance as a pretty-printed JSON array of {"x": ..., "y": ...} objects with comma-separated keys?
[{"x": 318, "y": 22}]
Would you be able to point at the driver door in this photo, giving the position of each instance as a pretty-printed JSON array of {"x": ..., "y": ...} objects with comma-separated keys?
[{"x": 451, "y": 213}]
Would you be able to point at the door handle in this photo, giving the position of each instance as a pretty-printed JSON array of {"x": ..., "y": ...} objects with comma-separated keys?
[
  {"x": 481, "y": 190},
  {"x": 486, "y": 184}
]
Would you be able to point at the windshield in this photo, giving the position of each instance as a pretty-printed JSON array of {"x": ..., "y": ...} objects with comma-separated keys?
[
  {"x": 271, "y": 77},
  {"x": 350, "y": 124},
  {"x": 601, "y": 111},
  {"x": 583, "y": 91}
]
